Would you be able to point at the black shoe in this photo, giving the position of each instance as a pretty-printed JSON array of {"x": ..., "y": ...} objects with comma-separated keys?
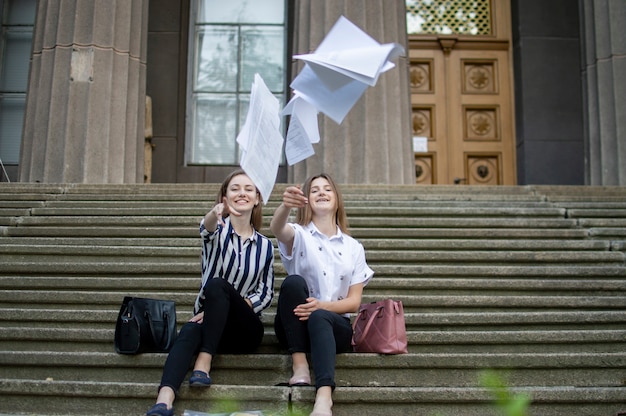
[
  {"x": 199, "y": 379},
  {"x": 160, "y": 409}
]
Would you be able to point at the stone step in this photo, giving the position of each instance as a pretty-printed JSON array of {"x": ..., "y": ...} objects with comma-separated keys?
[
  {"x": 602, "y": 222},
  {"x": 512, "y": 280},
  {"x": 448, "y": 244},
  {"x": 51, "y": 254},
  {"x": 599, "y": 343},
  {"x": 597, "y": 212},
  {"x": 387, "y": 286},
  {"x": 116, "y": 398},
  {"x": 102, "y": 317},
  {"x": 351, "y": 197},
  {"x": 190, "y": 269},
  {"x": 609, "y": 232},
  {"x": 426, "y": 303},
  {"x": 417, "y": 294},
  {"x": 435, "y": 369},
  {"x": 352, "y": 211},
  {"x": 422, "y": 340},
  {"x": 453, "y": 244},
  {"x": 200, "y": 204},
  {"x": 191, "y": 231},
  {"x": 584, "y": 205},
  {"x": 198, "y": 188},
  {"x": 355, "y": 222}
]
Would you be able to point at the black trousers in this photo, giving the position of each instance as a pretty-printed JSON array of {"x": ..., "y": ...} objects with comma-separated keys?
[
  {"x": 229, "y": 326},
  {"x": 324, "y": 334}
]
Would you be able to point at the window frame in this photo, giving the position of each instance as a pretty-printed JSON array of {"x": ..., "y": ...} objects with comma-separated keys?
[
  {"x": 21, "y": 27},
  {"x": 242, "y": 95}
]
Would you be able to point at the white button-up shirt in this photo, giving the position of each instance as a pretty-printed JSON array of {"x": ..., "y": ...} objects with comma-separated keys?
[{"x": 329, "y": 265}]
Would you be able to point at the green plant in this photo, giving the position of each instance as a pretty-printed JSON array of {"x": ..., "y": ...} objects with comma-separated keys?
[{"x": 509, "y": 403}]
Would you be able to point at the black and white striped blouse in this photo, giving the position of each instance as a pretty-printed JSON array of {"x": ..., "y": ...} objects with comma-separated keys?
[{"x": 248, "y": 265}]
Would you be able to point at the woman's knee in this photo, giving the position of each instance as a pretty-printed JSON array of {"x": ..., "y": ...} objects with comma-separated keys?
[
  {"x": 320, "y": 318},
  {"x": 215, "y": 285},
  {"x": 190, "y": 330},
  {"x": 293, "y": 283}
]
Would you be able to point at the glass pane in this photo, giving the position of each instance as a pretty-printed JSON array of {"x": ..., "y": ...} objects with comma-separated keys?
[
  {"x": 11, "y": 118},
  {"x": 21, "y": 12},
  {"x": 214, "y": 129},
  {"x": 15, "y": 62},
  {"x": 241, "y": 11},
  {"x": 232, "y": 41},
  {"x": 216, "y": 59},
  {"x": 262, "y": 53},
  {"x": 244, "y": 105}
]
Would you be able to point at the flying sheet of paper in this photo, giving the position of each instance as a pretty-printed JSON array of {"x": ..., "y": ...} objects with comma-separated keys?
[
  {"x": 337, "y": 74},
  {"x": 303, "y": 130},
  {"x": 362, "y": 64},
  {"x": 335, "y": 103},
  {"x": 260, "y": 139}
]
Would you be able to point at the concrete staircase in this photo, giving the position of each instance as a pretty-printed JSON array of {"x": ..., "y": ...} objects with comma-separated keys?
[{"x": 527, "y": 281}]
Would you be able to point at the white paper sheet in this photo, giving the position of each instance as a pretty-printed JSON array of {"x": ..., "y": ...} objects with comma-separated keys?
[
  {"x": 260, "y": 139},
  {"x": 297, "y": 146},
  {"x": 303, "y": 130},
  {"x": 335, "y": 103},
  {"x": 362, "y": 64},
  {"x": 337, "y": 74}
]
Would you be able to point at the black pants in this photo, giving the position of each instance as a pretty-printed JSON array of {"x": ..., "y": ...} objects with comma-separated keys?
[
  {"x": 229, "y": 326},
  {"x": 324, "y": 334}
]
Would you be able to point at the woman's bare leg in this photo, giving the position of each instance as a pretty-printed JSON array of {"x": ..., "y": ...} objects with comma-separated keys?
[
  {"x": 167, "y": 396},
  {"x": 323, "y": 401},
  {"x": 203, "y": 362}
]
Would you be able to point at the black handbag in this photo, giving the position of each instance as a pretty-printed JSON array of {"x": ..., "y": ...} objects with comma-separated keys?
[{"x": 145, "y": 325}]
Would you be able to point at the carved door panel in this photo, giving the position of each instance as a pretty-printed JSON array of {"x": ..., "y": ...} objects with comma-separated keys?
[
  {"x": 428, "y": 117},
  {"x": 462, "y": 103}
]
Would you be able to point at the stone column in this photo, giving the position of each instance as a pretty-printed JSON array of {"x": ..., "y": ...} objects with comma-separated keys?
[
  {"x": 373, "y": 143},
  {"x": 84, "y": 120},
  {"x": 604, "y": 86}
]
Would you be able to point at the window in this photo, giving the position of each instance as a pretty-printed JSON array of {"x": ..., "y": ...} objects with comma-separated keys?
[
  {"x": 446, "y": 17},
  {"x": 18, "y": 17},
  {"x": 230, "y": 42}
]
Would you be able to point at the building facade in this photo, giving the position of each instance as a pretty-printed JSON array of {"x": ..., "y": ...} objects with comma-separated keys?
[{"x": 489, "y": 92}]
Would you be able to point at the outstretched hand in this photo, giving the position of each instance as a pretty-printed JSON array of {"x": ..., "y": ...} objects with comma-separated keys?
[
  {"x": 224, "y": 209},
  {"x": 293, "y": 197}
]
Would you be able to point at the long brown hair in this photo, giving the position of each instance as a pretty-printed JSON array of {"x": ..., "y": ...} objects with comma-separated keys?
[
  {"x": 304, "y": 215},
  {"x": 256, "y": 219}
]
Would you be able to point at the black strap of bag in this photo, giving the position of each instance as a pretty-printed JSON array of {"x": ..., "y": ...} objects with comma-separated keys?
[{"x": 163, "y": 340}]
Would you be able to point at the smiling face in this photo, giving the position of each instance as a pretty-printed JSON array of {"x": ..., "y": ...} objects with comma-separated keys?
[
  {"x": 323, "y": 194},
  {"x": 241, "y": 193},
  {"x": 322, "y": 198}
]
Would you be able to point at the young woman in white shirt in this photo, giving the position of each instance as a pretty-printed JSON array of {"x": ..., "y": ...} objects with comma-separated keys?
[{"x": 326, "y": 273}]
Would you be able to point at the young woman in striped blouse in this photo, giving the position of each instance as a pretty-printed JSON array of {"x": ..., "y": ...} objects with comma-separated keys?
[{"x": 237, "y": 284}]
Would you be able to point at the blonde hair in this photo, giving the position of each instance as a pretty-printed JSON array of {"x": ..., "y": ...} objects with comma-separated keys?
[
  {"x": 304, "y": 215},
  {"x": 256, "y": 219}
]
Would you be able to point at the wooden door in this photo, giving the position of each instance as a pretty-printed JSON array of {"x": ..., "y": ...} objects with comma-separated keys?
[{"x": 461, "y": 95}]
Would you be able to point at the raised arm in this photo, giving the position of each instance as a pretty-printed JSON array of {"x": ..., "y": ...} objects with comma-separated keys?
[
  {"x": 292, "y": 198},
  {"x": 212, "y": 217}
]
